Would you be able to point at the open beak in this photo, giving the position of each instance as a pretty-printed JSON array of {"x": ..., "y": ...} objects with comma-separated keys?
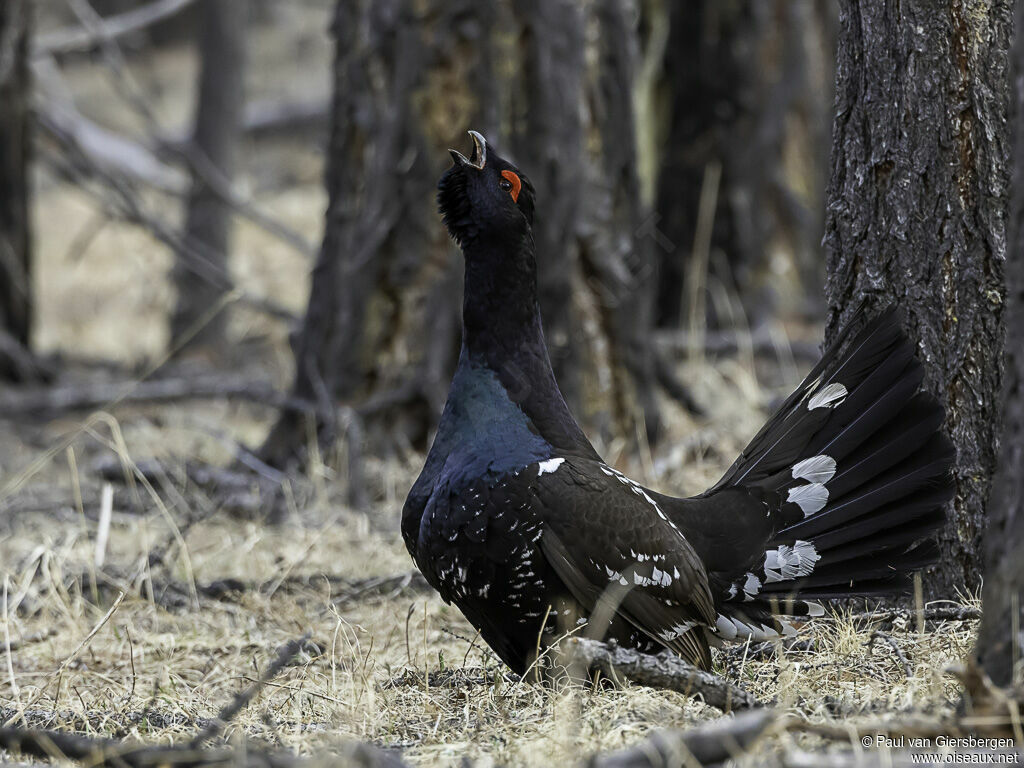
[{"x": 479, "y": 159}]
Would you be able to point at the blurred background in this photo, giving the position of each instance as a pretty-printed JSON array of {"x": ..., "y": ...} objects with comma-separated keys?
[{"x": 230, "y": 205}]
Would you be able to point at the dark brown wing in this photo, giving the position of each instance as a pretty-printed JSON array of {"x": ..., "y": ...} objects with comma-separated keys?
[{"x": 618, "y": 553}]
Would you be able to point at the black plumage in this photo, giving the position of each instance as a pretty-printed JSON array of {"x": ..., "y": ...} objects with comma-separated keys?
[{"x": 517, "y": 520}]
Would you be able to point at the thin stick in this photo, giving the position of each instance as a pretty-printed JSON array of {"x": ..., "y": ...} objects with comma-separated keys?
[
  {"x": 284, "y": 655},
  {"x": 82, "y": 39}
]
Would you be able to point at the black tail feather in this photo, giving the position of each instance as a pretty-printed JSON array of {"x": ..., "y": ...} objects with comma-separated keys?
[{"x": 861, "y": 472}]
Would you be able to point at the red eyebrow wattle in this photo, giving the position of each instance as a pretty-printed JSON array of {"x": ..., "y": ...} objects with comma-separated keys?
[{"x": 516, "y": 183}]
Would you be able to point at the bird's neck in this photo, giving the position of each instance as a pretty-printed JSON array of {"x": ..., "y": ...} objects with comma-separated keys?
[
  {"x": 501, "y": 331},
  {"x": 500, "y": 313}
]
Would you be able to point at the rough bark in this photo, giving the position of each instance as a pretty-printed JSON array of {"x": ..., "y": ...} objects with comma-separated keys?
[
  {"x": 746, "y": 87},
  {"x": 15, "y": 148},
  {"x": 381, "y": 314},
  {"x": 219, "y": 118},
  {"x": 1000, "y": 645},
  {"x": 548, "y": 129},
  {"x": 618, "y": 255},
  {"x": 573, "y": 133},
  {"x": 916, "y": 216},
  {"x": 382, "y": 322}
]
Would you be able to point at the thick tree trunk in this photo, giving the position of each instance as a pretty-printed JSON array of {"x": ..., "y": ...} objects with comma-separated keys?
[
  {"x": 201, "y": 275},
  {"x": 916, "y": 216},
  {"x": 1000, "y": 646},
  {"x": 574, "y": 135},
  {"x": 548, "y": 133},
  {"x": 383, "y": 301},
  {"x": 382, "y": 326},
  {"x": 746, "y": 87},
  {"x": 15, "y": 246}
]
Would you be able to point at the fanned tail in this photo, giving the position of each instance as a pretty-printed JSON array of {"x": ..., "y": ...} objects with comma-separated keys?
[{"x": 855, "y": 471}]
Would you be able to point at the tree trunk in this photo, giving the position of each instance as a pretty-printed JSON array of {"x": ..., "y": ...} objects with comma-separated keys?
[
  {"x": 1000, "y": 646},
  {"x": 548, "y": 131},
  {"x": 381, "y": 330},
  {"x": 383, "y": 301},
  {"x": 916, "y": 216},
  {"x": 745, "y": 87},
  {"x": 201, "y": 275},
  {"x": 15, "y": 146},
  {"x": 574, "y": 135}
]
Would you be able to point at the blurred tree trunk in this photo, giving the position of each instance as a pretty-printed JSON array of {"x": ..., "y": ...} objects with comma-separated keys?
[
  {"x": 382, "y": 326},
  {"x": 201, "y": 276},
  {"x": 746, "y": 88},
  {"x": 574, "y": 135},
  {"x": 381, "y": 318},
  {"x": 1000, "y": 645},
  {"x": 16, "y": 364},
  {"x": 916, "y": 217}
]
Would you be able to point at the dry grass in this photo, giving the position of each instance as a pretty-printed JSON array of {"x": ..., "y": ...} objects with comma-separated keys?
[{"x": 399, "y": 669}]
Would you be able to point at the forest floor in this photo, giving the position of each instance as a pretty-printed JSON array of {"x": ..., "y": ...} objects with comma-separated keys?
[{"x": 209, "y": 595}]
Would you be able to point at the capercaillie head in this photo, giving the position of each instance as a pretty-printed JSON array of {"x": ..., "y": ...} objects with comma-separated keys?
[{"x": 484, "y": 196}]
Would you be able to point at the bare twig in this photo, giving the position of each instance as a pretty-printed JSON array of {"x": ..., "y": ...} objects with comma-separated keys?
[
  {"x": 908, "y": 668},
  {"x": 114, "y": 152},
  {"x": 111, "y": 150},
  {"x": 663, "y": 671},
  {"x": 82, "y": 39},
  {"x": 241, "y": 700}
]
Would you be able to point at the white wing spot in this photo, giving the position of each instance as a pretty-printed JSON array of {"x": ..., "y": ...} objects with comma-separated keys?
[{"x": 548, "y": 466}]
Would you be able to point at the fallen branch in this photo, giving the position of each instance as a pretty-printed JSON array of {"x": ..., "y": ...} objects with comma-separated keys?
[
  {"x": 662, "y": 671},
  {"x": 908, "y": 668},
  {"x": 343, "y": 591},
  {"x": 119, "y": 754},
  {"x": 709, "y": 744},
  {"x": 15, "y": 403},
  {"x": 241, "y": 700},
  {"x": 935, "y": 614}
]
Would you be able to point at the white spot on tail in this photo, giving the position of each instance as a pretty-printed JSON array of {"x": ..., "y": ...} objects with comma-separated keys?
[
  {"x": 827, "y": 397},
  {"x": 548, "y": 466},
  {"x": 817, "y": 469},
  {"x": 751, "y": 587},
  {"x": 725, "y": 628},
  {"x": 787, "y": 562},
  {"x": 811, "y": 497},
  {"x": 814, "y": 609},
  {"x": 732, "y": 628}
]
